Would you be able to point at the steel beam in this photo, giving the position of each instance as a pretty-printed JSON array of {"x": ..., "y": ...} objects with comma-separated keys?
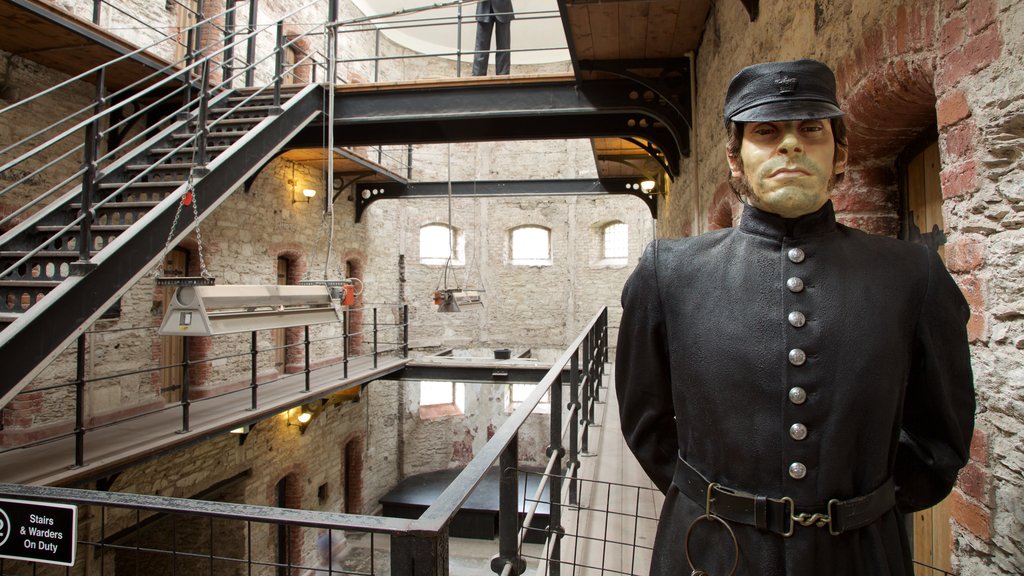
[
  {"x": 513, "y": 111},
  {"x": 368, "y": 192}
]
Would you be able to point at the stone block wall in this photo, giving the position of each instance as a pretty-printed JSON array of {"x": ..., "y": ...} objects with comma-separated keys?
[{"x": 952, "y": 66}]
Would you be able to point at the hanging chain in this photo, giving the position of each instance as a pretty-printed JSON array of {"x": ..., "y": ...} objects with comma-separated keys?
[{"x": 190, "y": 195}]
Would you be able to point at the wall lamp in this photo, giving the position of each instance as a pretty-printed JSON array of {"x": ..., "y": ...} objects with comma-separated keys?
[
  {"x": 303, "y": 415},
  {"x": 307, "y": 194},
  {"x": 647, "y": 186}
]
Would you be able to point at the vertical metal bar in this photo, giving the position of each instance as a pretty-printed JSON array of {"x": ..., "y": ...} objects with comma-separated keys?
[
  {"x": 508, "y": 511},
  {"x": 408, "y": 162},
  {"x": 252, "y": 368},
  {"x": 332, "y": 47},
  {"x": 93, "y": 136},
  {"x": 278, "y": 64},
  {"x": 585, "y": 407},
  {"x": 458, "y": 43},
  {"x": 80, "y": 402},
  {"x": 228, "y": 63},
  {"x": 405, "y": 331},
  {"x": 202, "y": 130},
  {"x": 574, "y": 426},
  {"x": 420, "y": 555},
  {"x": 376, "y": 55},
  {"x": 96, "y": 4},
  {"x": 595, "y": 361},
  {"x": 306, "y": 342},
  {"x": 185, "y": 401},
  {"x": 556, "y": 451},
  {"x": 346, "y": 325},
  {"x": 374, "y": 337},
  {"x": 250, "y": 49}
]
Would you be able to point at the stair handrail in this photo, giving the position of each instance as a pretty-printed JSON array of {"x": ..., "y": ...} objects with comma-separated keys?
[{"x": 183, "y": 75}]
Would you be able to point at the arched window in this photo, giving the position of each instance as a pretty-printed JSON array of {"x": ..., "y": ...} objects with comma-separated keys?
[
  {"x": 436, "y": 244},
  {"x": 615, "y": 242},
  {"x": 531, "y": 246}
]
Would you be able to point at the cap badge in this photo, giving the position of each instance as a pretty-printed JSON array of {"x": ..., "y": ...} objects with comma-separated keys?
[{"x": 786, "y": 84}]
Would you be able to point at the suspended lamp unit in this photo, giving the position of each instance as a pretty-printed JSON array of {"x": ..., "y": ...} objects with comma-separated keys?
[
  {"x": 212, "y": 310},
  {"x": 453, "y": 299}
]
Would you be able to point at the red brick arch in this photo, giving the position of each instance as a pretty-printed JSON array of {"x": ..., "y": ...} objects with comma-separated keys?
[{"x": 903, "y": 78}]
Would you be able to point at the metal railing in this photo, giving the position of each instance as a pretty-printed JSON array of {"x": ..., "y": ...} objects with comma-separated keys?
[
  {"x": 244, "y": 354},
  {"x": 120, "y": 529}
]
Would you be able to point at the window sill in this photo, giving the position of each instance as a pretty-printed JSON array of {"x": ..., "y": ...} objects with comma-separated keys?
[{"x": 439, "y": 411}]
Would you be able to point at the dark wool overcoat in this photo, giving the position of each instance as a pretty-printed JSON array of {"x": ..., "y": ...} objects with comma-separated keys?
[{"x": 730, "y": 338}]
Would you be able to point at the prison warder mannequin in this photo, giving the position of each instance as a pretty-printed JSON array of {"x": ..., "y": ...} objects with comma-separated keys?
[{"x": 793, "y": 385}]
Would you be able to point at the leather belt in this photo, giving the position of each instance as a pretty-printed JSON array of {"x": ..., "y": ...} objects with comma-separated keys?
[{"x": 780, "y": 515}]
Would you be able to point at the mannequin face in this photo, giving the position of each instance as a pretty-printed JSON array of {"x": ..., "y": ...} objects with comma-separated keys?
[{"x": 788, "y": 166}]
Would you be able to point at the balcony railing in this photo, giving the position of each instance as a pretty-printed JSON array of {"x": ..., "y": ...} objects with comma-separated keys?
[{"x": 131, "y": 532}]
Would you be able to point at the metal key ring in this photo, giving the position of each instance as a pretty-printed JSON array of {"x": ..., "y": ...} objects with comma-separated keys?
[{"x": 694, "y": 571}]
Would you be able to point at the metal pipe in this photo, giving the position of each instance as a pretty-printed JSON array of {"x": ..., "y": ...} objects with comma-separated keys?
[
  {"x": 228, "y": 62},
  {"x": 202, "y": 130},
  {"x": 250, "y": 50},
  {"x": 374, "y": 337},
  {"x": 185, "y": 380},
  {"x": 80, "y": 403},
  {"x": 346, "y": 328},
  {"x": 508, "y": 511},
  {"x": 574, "y": 404},
  {"x": 307, "y": 357},
  {"x": 278, "y": 65},
  {"x": 252, "y": 367},
  {"x": 92, "y": 149}
]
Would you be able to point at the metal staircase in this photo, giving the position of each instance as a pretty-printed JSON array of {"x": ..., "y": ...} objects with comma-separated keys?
[{"x": 52, "y": 295}]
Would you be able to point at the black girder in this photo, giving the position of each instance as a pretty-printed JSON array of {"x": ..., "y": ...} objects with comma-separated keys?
[
  {"x": 495, "y": 373},
  {"x": 368, "y": 192},
  {"x": 521, "y": 111}
]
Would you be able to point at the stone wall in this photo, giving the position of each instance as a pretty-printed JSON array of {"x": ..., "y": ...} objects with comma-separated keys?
[{"x": 903, "y": 68}]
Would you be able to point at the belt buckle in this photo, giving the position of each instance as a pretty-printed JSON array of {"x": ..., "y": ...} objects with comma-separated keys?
[{"x": 805, "y": 519}]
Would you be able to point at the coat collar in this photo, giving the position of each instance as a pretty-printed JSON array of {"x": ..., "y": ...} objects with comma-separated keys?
[{"x": 763, "y": 223}]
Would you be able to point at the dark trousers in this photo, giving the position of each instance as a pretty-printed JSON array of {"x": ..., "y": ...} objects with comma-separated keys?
[{"x": 502, "y": 59}]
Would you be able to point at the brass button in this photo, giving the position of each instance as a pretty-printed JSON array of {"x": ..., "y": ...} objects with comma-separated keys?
[
  {"x": 796, "y": 255},
  {"x": 797, "y": 395},
  {"x": 797, "y": 357},
  {"x": 798, "y": 431},
  {"x": 796, "y": 319},
  {"x": 795, "y": 284},
  {"x": 797, "y": 470}
]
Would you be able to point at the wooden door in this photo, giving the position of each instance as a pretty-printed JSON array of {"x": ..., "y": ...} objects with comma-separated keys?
[
  {"x": 172, "y": 348},
  {"x": 923, "y": 223}
]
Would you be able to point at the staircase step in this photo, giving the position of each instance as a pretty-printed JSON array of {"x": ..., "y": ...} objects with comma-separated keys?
[
  {"x": 94, "y": 228},
  {"x": 29, "y": 283},
  {"x": 8, "y": 317},
  {"x": 186, "y": 150},
  {"x": 117, "y": 205},
  {"x": 164, "y": 166},
  {"x": 249, "y": 107},
  {"x": 142, "y": 185},
  {"x": 43, "y": 253}
]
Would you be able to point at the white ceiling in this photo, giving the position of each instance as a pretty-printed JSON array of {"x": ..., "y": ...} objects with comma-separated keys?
[{"x": 537, "y": 25}]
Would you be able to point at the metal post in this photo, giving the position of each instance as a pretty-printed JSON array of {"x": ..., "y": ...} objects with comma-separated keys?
[
  {"x": 250, "y": 49},
  {"x": 96, "y": 4},
  {"x": 252, "y": 368},
  {"x": 508, "y": 512},
  {"x": 374, "y": 337},
  {"x": 185, "y": 402},
  {"x": 202, "y": 130},
  {"x": 458, "y": 43},
  {"x": 574, "y": 426},
  {"x": 306, "y": 342},
  {"x": 228, "y": 64},
  {"x": 555, "y": 491},
  {"x": 80, "y": 403},
  {"x": 278, "y": 67},
  {"x": 344, "y": 343},
  {"x": 91, "y": 145},
  {"x": 376, "y": 56},
  {"x": 405, "y": 331},
  {"x": 420, "y": 555},
  {"x": 595, "y": 370}
]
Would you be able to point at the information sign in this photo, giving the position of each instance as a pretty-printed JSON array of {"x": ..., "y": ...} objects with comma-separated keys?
[{"x": 38, "y": 531}]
